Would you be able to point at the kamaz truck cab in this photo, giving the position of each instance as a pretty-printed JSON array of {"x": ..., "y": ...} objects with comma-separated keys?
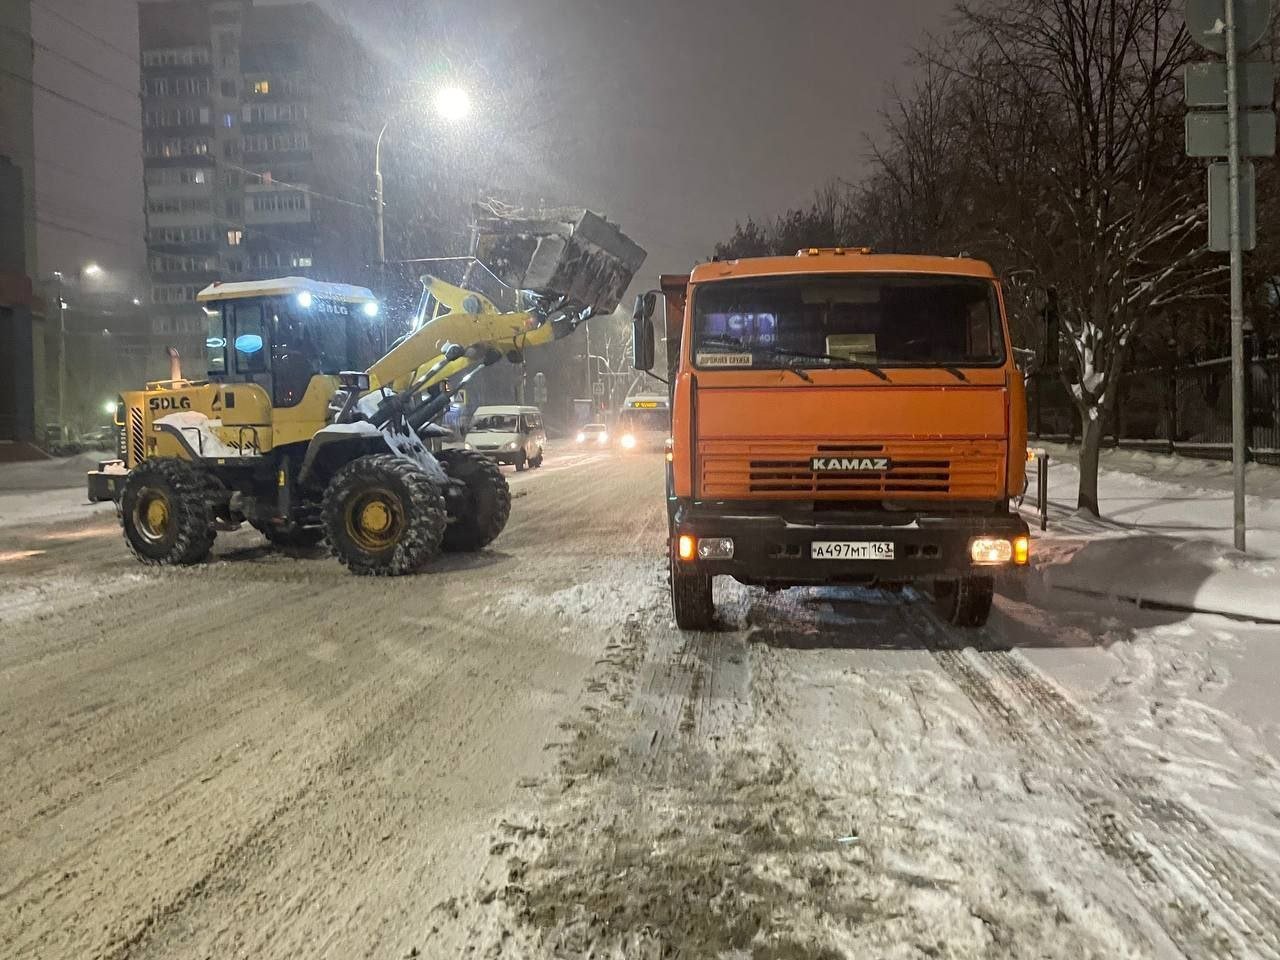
[{"x": 840, "y": 417}]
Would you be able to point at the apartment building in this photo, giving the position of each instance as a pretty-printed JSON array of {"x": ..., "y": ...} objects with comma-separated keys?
[{"x": 257, "y": 149}]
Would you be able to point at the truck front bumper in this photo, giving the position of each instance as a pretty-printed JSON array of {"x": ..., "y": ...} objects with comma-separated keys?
[{"x": 770, "y": 549}]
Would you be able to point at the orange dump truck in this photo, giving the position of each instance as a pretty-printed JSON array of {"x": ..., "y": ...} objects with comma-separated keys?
[{"x": 840, "y": 417}]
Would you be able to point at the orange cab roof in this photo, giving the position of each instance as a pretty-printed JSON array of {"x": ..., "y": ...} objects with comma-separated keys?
[{"x": 851, "y": 260}]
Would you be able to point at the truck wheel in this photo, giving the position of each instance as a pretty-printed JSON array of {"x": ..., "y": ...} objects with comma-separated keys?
[
  {"x": 965, "y": 602},
  {"x": 165, "y": 511},
  {"x": 289, "y": 537},
  {"x": 487, "y": 505},
  {"x": 691, "y": 600},
  {"x": 383, "y": 516}
]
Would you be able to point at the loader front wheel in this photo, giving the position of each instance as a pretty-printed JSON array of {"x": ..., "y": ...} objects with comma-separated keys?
[
  {"x": 165, "y": 511},
  {"x": 483, "y": 510},
  {"x": 384, "y": 516}
]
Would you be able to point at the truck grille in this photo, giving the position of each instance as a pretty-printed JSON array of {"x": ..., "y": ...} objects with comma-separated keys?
[{"x": 782, "y": 470}]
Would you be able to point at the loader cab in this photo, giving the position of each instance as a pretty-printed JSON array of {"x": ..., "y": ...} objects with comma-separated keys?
[{"x": 279, "y": 334}]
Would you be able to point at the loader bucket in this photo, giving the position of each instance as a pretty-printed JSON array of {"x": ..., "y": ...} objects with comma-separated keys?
[{"x": 565, "y": 253}]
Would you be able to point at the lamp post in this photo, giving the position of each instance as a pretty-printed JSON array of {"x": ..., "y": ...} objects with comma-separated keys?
[{"x": 452, "y": 104}]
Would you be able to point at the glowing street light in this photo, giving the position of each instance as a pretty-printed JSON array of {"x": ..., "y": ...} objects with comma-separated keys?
[
  {"x": 453, "y": 103},
  {"x": 92, "y": 270}
]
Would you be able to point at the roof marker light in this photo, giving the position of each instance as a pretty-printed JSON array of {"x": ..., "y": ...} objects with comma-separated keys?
[{"x": 305, "y": 299}]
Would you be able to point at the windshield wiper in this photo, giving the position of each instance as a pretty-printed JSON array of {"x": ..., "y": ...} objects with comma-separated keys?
[
  {"x": 956, "y": 372},
  {"x": 832, "y": 358}
]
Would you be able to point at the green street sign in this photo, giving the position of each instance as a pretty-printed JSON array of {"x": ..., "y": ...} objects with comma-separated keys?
[
  {"x": 1206, "y": 84},
  {"x": 1207, "y": 133},
  {"x": 1220, "y": 206}
]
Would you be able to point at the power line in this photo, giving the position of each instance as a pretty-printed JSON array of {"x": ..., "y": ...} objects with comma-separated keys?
[
  {"x": 71, "y": 100},
  {"x": 128, "y": 55},
  {"x": 294, "y": 186},
  {"x": 75, "y": 63},
  {"x": 84, "y": 233}
]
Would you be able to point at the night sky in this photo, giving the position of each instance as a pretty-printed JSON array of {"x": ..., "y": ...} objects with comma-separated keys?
[{"x": 671, "y": 117}]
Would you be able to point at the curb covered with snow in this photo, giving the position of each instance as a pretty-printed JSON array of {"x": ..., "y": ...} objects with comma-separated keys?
[{"x": 1185, "y": 574}]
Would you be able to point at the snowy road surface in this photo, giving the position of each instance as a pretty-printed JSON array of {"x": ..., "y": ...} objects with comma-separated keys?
[{"x": 516, "y": 753}]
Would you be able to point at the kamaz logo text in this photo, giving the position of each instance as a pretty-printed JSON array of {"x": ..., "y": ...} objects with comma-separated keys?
[
  {"x": 849, "y": 464},
  {"x": 169, "y": 403}
]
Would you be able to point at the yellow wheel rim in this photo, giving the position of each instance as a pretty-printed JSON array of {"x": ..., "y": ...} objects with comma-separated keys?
[
  {"x": 375, "y": 520},
  {"x": 152, "y": 515}
]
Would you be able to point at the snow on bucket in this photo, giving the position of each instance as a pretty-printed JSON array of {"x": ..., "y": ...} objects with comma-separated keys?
[{"x": 568, "y": 252}]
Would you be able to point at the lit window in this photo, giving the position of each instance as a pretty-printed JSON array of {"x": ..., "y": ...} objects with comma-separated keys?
[
  {"x": 228, "y": 120},
  {"x": 262, "y": 87},
  {"x": 301, "y": 261},
  {"x": 234, "y": 237}
]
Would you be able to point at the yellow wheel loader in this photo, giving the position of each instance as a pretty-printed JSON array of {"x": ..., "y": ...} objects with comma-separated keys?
[{"x": 285, "y": 436}]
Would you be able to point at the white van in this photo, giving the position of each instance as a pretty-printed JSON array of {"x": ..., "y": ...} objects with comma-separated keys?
[{"x": 513, "y": 435}]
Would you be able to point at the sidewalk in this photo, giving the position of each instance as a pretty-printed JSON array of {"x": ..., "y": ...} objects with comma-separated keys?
[{"x": 1165, "y": 537}]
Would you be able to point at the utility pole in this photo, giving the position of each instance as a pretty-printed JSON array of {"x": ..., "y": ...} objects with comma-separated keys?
[
  {"x": 586, "y": 356},
  {"x": 1229, "y": 28},
  {"x": 62, "y": 358},
  {"x": 1238, "y": 449}
]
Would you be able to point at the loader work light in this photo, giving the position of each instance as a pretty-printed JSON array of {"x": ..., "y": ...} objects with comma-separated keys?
[
  {"x": 370, "y": 310},
  {"x": 305, "y": 300}
]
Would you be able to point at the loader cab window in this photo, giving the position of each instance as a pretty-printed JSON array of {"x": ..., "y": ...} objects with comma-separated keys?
[
  {"x": 250, "y": 339},
  {"x": 308, "y": 341}
]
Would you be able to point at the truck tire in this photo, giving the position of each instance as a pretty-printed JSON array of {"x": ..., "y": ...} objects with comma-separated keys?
[
  {"x": 166, "y": 514},
  {"x": 487, "y": 505},
  {"x": 290, "y": 538},
  {"x": 383, "y": 516},
  {"x": 965, "y": 602},
  {"x": 691, "y": 599}
]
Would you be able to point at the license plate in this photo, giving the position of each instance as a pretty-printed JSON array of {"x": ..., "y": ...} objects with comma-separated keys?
[{"x": 852, "y": 550}]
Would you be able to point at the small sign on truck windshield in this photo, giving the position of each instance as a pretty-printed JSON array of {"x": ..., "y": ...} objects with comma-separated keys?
[{"x": 724, "y": 359}]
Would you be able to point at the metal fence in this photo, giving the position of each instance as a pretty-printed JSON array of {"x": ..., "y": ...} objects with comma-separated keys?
[{"x": 1185, "y": 410}]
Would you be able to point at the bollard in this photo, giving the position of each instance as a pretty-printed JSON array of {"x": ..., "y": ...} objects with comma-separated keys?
[{"x": 1042, "y": 487}]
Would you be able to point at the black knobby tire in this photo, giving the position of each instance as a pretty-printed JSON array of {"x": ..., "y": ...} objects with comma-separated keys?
[
  {"x": 691, "y": 598},
  {"x": 290, "y": 537},
  {"x": 486, "y": 506},
  {"x": 166, "y": 512},
  {"x": 965, "y": 602},
  {"x": 390, "y": 487}
]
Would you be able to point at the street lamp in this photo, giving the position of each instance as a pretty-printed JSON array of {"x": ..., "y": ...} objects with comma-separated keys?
[
  {"x": 92, "y": 270},
  {"x": 451, "y": 103}
]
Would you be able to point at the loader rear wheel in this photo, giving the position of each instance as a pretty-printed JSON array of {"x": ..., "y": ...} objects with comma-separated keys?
[
  {"x": 965, "y": 602},
  {"x": 165, "y": 512},
  {"x": 384, "y": 516},
  {"x": 486, "y": 507}
]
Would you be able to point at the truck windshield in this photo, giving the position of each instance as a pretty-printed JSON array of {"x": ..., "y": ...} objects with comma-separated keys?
[
  {"x": 495, "y": 423},
  {"x": 834, "y": 321},
  {"x": 642, "y": 420}
]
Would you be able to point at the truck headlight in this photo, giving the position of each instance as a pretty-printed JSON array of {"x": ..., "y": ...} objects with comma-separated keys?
[
  {"x": 715, "y": 548},
  {"x": 995, "y": 551},
  {"x": 628, "y": 441}
]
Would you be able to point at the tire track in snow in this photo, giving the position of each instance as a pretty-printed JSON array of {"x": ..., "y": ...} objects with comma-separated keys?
[{"x": 1163, "y": 840}]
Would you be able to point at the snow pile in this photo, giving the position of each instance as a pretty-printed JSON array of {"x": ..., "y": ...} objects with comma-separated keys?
[
  {"x": 1162, "y": 542},
  {"x": 613, "y": 593},
  {"x": 201, "y": 433},
  {"x": 1185, "y": 574}
]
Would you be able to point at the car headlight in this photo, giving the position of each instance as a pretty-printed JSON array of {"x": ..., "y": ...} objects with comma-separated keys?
[
  {"x": 628, "y": 441},
  {"x": 512, "y": 446},
  {"x": 582, "y": 437},
  {"x": 602, "y": 437},
  {"x": 466, "y": 446}
]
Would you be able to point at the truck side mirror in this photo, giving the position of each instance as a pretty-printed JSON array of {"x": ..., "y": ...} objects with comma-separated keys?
[
  {"x": 643, "y": 346},
  {"x": 1027, "y": 359}
]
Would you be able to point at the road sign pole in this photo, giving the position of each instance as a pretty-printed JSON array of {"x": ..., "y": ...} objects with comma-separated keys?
[{"x": 1238, "y": 450}]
